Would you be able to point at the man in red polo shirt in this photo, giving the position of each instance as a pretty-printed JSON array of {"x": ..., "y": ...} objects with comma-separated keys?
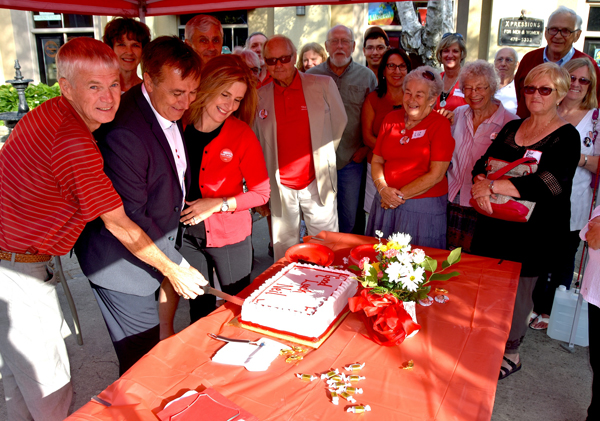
[
  {"x": 52, "y": 185},
  {"x": 300, "y": 122}
]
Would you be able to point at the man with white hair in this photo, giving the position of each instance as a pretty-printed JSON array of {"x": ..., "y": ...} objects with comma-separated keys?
[
  {"x": 53, "y": 183},
  {"x": 562, "y": 31},
  {"x": 204, "y": 34},
  {"x": 506, "y": 62},
  {"x": 354, "y": 82},
  {"x": 300, "y": 121}
]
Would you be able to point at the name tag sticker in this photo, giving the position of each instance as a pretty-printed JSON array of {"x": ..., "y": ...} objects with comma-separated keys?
[
  {"x": 418, "y": 133},
  {"x": 458, "y": 93},
  {"x": 530, "y": 153}
]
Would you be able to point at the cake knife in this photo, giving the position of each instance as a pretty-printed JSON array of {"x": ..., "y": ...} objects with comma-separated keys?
[{"x": 232, "y": 299}]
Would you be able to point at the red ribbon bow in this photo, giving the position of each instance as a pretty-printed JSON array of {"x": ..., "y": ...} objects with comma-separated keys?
[{"x": 384, "y": 316}]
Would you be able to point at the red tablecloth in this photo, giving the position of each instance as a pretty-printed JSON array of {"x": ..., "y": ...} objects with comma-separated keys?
[{"x": 457, "y": 357}]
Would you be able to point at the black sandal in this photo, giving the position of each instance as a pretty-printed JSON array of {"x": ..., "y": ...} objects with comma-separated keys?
[{"x": 505, "y": 372}]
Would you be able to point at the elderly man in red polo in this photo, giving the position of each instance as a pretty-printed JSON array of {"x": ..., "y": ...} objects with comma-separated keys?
[
  {"x": 52, "y": 185},
  {"x": 562, "y": 31},
  {"x": 300, "y": 122}
]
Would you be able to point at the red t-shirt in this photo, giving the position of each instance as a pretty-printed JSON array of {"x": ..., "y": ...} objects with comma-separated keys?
[
  {"x": 430, "y": 140},
  {"x": 294, "y": 147},
  {"x": 53, "y": 181}
]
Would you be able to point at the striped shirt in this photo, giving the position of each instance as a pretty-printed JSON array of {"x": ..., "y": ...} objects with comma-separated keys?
[{"x": 52, "y": 181}]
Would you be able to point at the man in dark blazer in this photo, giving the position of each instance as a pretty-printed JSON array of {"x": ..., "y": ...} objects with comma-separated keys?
[{"x": 145, "y": 158}]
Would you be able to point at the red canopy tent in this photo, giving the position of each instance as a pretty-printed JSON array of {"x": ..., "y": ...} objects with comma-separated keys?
[{"x": 143, "y": 8}]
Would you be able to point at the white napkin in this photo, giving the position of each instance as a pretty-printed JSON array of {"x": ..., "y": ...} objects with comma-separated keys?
[{"x": 254, "y": 358}]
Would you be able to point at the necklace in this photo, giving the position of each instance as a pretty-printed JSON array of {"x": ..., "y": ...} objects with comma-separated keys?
[
  {"x": 405, "y": 139},
  {"x": 533, "y": 137},
  {"x": 444, "y": 95}
]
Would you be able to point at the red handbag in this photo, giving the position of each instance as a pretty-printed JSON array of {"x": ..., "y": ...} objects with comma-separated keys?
[{"x": 504, "y": 207}]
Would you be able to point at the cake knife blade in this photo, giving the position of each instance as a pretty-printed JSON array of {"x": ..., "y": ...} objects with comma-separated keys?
[{"x": 232, "y": 299}]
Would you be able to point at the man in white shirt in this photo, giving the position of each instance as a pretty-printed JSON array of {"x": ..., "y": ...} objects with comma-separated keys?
[
  {"x": 145, "y": 158},
  {"x": 506, "y": 63}
]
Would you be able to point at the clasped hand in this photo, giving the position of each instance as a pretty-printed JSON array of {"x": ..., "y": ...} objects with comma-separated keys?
[
  {"x": 199, "y": 210},
  {"x": 391, "y": 197},
  {"x": 481, "y": 193}
]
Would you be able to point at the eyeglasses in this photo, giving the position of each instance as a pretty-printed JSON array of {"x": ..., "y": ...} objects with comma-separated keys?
[
  {"x": 255, "y": 70},
  {"x": 506, "y": 60},
  {"x": 563, "y": 31},
  {"x": 582, "y": 80},
  {"x": 543, "y": 90},
  {"x": 478, "y": 89},
  {"x": 392, "y": 66},
  {"x": 214, "y": 40},
  {"x": 283, "y": 59},
  {"x": 456, "y": 34},
  {"x": 428, "y": 75},
  {"x": 378, "y": 48},
  {"x": 344, "y": 41}
]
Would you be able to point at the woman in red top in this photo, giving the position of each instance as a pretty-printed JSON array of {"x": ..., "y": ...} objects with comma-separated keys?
[
  {"x": 451, "y": 53},
  {"x": 223, "y": 152},
  {"x": 388, "y": 97},
  {"x": 409, "y": 164}
]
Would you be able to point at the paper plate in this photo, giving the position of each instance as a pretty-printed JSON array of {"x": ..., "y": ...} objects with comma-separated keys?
[
  {"x": 364, "y": 250},
  {"x": 313, "y": 253}
]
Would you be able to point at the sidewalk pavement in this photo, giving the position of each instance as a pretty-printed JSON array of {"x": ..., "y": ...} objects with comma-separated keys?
[{"x": 553, "y": 385}]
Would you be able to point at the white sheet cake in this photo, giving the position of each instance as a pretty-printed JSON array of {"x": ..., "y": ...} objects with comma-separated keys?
[{"x": 301, "y": 299}]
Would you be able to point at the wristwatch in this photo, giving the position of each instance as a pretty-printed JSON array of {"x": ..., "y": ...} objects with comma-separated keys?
[{"x": 225, "y": 205}]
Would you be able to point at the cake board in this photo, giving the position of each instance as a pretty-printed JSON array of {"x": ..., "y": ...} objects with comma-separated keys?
[{"x": 289, "y": 337}]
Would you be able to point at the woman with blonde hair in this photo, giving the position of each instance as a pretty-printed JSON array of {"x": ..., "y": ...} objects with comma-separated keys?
[
  {"x": 223, "y": 152},
  {"x": 549, "y": 139},
  {"x": 451, "y": 54},
  {"x": 580, "y": 109},
  {"x": 311, "y": 54}
]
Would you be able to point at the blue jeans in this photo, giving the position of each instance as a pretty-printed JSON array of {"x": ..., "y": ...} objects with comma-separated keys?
[{"x": 349, "y": 181}]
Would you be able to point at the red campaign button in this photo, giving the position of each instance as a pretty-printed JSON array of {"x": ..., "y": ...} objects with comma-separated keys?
[{"x": 226, "y": 155}]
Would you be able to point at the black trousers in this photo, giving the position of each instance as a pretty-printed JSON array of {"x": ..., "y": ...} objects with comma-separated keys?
[
  {"x": 593, "y": 326},
  {"x": 561, "y": 269},
  {"x": 132, "y": 323},
  {"x": 233, "y": 264}
]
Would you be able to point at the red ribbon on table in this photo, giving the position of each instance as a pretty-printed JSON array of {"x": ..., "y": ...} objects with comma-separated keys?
[{"x": 384, "y": 316}]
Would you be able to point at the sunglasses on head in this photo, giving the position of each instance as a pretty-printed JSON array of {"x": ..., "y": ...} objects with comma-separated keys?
[
  {"x": 428, "y": 75},
  {"x": 456, "y": 34},
  {"x": 283, "y": 59},
  {"x": 543, "y": 90},
  {"x": 582, "y": 80}
]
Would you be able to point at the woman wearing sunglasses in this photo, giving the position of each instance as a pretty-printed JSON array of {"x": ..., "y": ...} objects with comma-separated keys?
[
  {"x": 548, "y": 138},
  {"x": 578, "y": 108},
  {"x": 475, "y": 126},
  {"x": 413, "y": 150},
  {"x": 451, "y": 53},
  {"x": 388, "y": 97},
  {"x": 223, "y": 152}
]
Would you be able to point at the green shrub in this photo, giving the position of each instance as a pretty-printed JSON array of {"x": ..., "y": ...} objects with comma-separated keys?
[{"x": 34, "y": 94}]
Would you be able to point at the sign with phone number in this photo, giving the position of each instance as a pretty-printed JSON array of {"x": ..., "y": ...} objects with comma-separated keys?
[{"x": 521, "y": 32}]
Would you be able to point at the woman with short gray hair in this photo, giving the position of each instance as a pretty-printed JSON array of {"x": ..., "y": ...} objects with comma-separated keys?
[
  {"x": 475, "y": 126},
  {"x": 412, "y": 153}
]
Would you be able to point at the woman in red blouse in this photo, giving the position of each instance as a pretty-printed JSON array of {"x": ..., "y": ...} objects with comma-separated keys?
[
  {"x": 451, "y": 53},
  {"x": 223, "y": 152},
  {"x": 413, "y": 150}
]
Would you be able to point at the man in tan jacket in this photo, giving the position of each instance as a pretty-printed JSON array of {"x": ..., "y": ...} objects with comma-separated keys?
[{"x": 300, "y": 122}]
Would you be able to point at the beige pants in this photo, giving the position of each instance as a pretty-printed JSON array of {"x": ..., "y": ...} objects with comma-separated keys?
[
  {"x": 35, "y": 365},
  {"x": 286, "y": 229}
]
